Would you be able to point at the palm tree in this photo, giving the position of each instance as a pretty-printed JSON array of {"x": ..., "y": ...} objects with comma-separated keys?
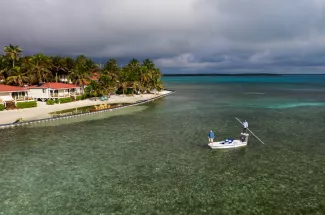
[
  {"x": 107, "y": 84},
  {"x": 157, "y": 84},
  {"x": 148, "y": 64},
  {"x": 40, "y": 66},
  {"x": 144, "y": 78},
  {"x": 13, "y": 52},
  {"x": 135, "y": 85},
  {"x": 134, "y": 63},
  {"x": 25, "y": 64},
  {"x": 124, "y": 86},
  {"x": 68, "y": 64},
  {"x": 111, "y": 66},
  {"x": 2, "y": 76},
  {"x": 80, "y": 75},
  {"x": 3, "y": 68},
  {"x": 17, "y": 76},
  {"x": 31, "y": 79},
  {"x": 133, "y": 68},
  {"x": 93, "y": 89},
  {"x": 155, "y": 80},
  {"x": 81, "y": 59},
  {"x": 57, "y": 66},
  {"x": 91, "y": 66}
]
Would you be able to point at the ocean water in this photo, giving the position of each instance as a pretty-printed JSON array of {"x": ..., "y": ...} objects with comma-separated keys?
[{"x": 154, "y": 159}]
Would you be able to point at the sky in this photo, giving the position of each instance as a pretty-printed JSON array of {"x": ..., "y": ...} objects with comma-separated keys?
[{"x": 180, "y": 36}]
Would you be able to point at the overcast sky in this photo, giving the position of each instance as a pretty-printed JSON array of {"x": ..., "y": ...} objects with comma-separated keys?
[{"x": 183, "y": 36}]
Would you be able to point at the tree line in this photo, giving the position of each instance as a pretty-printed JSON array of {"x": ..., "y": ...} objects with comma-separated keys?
[{"x": 19, "y": 70}]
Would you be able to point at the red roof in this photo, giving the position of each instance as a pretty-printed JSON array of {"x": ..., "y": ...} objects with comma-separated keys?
[
  {"x": 54, "y": 86},
  {"x": 8, "y": 88}
]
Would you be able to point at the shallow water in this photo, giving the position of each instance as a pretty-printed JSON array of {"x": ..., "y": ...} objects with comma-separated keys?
[{"x": 153, "y": 159}]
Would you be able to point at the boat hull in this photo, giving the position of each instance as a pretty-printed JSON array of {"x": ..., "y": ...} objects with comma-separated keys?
[{"x": 223, "y": 145}]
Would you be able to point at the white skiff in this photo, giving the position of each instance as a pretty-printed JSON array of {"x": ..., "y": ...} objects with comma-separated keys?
[{"x": 232, "y": 144}]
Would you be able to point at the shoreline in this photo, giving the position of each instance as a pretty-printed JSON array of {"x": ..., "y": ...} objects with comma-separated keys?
[{"x": 41, "y": 112}]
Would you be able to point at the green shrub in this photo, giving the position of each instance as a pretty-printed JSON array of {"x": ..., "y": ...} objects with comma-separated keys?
[
  {"x": 30, "y": 104},
  {"x": 50, "y": 102},
  {"x": 79, "y": 98},
  {"x": 85, "y": 96},
  {"x": 126, "y": 91},
  {"x": 2, "y": 107},
  {"x": 65, "y": 100}
]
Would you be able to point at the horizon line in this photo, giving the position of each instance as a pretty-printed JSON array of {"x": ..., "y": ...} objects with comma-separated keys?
[{"x": 236, "y": 74}]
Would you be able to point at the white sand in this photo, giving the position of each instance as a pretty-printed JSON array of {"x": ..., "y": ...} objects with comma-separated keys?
[{"x": 42, "y": 110}]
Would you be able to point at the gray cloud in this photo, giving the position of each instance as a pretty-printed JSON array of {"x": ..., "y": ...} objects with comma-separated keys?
[{"x": 182, "y": 35}]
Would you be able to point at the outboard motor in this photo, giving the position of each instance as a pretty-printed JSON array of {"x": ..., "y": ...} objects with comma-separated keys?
[{"x": 244, "y": 137}]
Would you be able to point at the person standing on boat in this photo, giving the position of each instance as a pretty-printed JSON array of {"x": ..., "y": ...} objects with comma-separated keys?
[
  {"x": 245, "y": 125},
  {"x": 211, "y": 136}
]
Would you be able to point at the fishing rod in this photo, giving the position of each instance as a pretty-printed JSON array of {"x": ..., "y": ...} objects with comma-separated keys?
[{"x": 250, "y": 131}]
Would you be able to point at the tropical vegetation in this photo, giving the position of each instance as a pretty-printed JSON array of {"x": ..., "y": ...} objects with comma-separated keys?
[{"x": 135, "y": 77}]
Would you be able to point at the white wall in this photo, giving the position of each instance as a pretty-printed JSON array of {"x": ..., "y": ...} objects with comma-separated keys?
[
  {"x": 76, "y": 91},
  {"x": 64, "y": 92},
  {"x": 5, "y": 96},
  {"x": 38, "y": 93}
]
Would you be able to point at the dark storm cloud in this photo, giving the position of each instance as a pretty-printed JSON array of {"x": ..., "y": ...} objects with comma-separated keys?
[{"x": 182, "y": 35}]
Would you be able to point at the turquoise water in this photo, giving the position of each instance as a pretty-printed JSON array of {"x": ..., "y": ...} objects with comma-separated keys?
[
  {"x": 309, "y": 79},
  {"x": 153, "y": 159}
]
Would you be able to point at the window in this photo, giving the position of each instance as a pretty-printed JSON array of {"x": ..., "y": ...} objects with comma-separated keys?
[{"x": 44, "y": 90}]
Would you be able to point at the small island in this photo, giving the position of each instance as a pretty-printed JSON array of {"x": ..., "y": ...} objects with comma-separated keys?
[{"x": 32, "y": 87}]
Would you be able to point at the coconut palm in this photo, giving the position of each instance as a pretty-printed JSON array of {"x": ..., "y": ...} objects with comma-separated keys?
[
  {"x": 68, "y": 64},
  {"x": 2, "y": 76},
  {"x": 135, "y": 85},
  {"x": 123, "y": 86},
  {"x": 107, "y": 84},
  {"x": 111, "y": 66},
  {"x": 40, "y": 66},
  {"x": 93, "y": 89},
  {"x": 3, "y": 68},
  {"x": 90, "y": 65},
  {"x": 148, "y": 64},
  {"x": 155, "y": 80},
  {"x": 25, "y": 62},
  {"x": 17, "y": 76},
  {"x": 145, "y": 78},
  {"x": 25, "y": 65},
  {"x": 80, "y": 75},
  {"x": 31, "y": 78},
  {"x": 13, "y": 52},
  {"x": 57, "y": 66},
  {"x": 81, "y": 59},
  {"x": 134, "y": 63},
  {"x": 133, "y": 68},
  {"x": 158, "y": 84}
]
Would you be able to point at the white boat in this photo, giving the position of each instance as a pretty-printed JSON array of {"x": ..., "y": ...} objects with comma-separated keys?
[{"x": 226, "y": 144}]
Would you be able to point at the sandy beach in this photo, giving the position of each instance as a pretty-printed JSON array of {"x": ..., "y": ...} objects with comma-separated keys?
[{"x": 42, "y": 110}]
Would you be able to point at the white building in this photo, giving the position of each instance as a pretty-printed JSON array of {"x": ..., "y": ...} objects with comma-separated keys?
[
  {"x": 53, "y": 91},
  {"x": 13, "y": 94}
]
